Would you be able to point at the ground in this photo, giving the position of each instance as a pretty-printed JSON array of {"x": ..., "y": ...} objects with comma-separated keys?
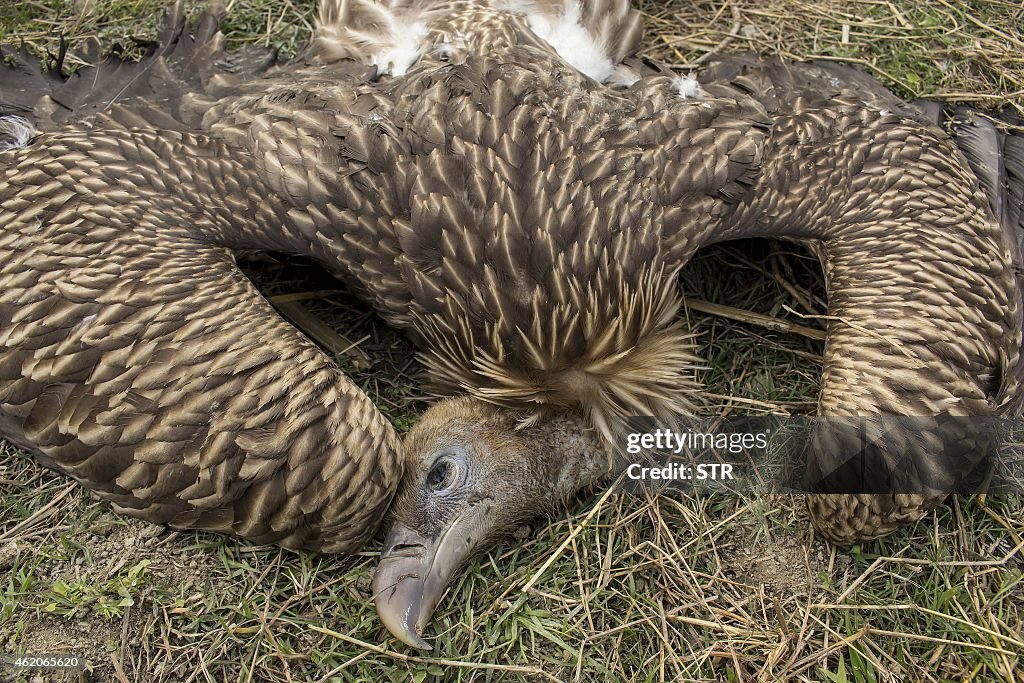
[{"x": 617, "y": 587}]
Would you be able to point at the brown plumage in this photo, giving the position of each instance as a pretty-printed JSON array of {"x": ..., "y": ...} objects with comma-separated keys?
[
  {"x": 473, "y": 215},
  {"x": 137, "y": 358},
  {"x": 521, "y": 221}
]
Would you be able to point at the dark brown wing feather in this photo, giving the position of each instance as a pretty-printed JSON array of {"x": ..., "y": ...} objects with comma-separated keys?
[
  {"x": 996, "y": 155},
  {"x": 158, "y": 91}
]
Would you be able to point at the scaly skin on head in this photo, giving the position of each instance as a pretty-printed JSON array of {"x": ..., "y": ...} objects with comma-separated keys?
[{"x": 470, "y": 478}]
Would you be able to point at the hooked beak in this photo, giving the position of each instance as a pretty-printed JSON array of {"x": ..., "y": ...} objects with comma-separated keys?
[{"x": 413, "y": 572}]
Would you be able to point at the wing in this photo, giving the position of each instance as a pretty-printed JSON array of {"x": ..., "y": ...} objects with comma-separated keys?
[
  {"x": 137, "y": 358},
  {"x": 921, "y": 259}
]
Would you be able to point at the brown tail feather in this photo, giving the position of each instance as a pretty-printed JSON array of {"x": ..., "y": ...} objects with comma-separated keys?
[
  {"x": 793, "y": 86},
  {"x": 24, "y": 80}
]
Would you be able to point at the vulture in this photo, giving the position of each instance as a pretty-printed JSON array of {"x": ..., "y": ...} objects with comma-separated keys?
[{"x": 506, "y": 185}]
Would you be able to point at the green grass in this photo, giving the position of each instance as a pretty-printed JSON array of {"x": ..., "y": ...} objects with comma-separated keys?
[{"x": 615, "y": 588}]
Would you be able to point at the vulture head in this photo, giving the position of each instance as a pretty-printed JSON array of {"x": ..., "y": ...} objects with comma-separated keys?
[{"x": 473, "y": 475}]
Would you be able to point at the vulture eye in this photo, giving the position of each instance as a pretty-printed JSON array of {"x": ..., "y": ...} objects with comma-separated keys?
[{"x": 441, "y": 475}]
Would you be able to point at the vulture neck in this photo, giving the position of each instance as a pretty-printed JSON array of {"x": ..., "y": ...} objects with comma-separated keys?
[{"x": 568, "y": 456}]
